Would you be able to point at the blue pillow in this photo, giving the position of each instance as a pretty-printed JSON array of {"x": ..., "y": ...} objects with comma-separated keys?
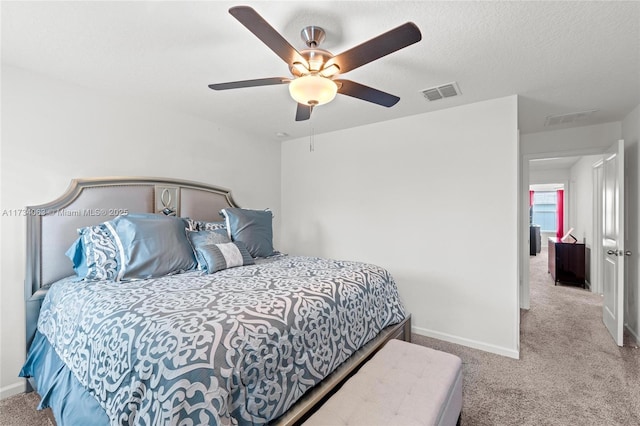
[
  {"x": 223, "y": 256},
  {"x": 252, "y": 227},
  {"x": 202, "y": 238},
  {"x": 101, "y": 253},
  {"x": 94, "y": 254},
  {"x": 76, "y": 254},
  {"x": 151, "y": 245}
]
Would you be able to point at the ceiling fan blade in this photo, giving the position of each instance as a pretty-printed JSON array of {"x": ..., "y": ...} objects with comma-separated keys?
[
  {"x": 303, "y": 112},
  {"x": 267, "y": 34},
  {"x": 377, "y": 47},
  {"x": 366, "y": 93},
  {"x": 250, "y": 83}
]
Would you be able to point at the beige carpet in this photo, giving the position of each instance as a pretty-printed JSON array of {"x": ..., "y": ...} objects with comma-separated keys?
[
  {"x": 570, "y": 371},
  {"x": 20, "y": 410}
]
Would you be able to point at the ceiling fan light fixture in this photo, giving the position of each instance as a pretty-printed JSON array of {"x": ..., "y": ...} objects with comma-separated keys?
[
  {"x": 299, "y": 69},
  {"x": 330, "y": 71},
  {"x": 313, "y": 90},
  {"x": 314, "y": 69}
]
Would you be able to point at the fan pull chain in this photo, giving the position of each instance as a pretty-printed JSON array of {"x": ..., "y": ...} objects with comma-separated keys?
[{"x": 312, "y": 141}]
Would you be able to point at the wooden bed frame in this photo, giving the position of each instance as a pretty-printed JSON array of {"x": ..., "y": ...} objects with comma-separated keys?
[{"x": 51, "y": 229}]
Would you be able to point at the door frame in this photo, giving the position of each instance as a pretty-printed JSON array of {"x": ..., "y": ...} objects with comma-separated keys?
[{"x": 596, "y": 249}]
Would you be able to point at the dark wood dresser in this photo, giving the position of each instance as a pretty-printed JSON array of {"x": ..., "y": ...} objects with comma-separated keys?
[{"x": 567, "y": 262}]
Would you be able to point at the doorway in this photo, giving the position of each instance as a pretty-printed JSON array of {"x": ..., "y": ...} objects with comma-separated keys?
[
  {"x": 586, "y": 203},
  {"x": 572, "y": 172}
]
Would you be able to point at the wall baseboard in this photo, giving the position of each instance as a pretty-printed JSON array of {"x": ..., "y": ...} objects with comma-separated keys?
[
  {"x": 13, "y": 389},
  {"x": 499, "y": 350},
  {"x": 633, "y": 334}
]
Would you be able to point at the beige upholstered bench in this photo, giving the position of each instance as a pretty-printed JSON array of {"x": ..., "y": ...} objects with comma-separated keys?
[{"x": 403, "y": 384}]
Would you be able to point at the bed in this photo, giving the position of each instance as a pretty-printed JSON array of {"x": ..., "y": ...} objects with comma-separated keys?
[{"x": 219, "y": 332}]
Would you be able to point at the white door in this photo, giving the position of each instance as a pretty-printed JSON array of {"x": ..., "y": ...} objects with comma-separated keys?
[{"x": 613, "y": 240}]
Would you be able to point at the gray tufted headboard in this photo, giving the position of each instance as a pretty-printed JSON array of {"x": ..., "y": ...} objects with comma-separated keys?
[{"x": 52, "y": 227}]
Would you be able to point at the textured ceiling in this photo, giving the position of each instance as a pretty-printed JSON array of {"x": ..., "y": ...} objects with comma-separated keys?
[{"x": 559, "y": 57}]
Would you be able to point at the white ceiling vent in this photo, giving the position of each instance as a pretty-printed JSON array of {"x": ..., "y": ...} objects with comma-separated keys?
[
  {"x": 573, "y": 117},
  {"x": 445, "y": 91}
]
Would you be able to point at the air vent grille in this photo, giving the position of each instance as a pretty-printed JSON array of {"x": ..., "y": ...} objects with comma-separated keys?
[
  {"x": 440, "y": 92},
  {"x": 555, "y": 120}
]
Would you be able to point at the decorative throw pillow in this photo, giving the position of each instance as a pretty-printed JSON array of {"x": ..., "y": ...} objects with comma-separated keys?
[
  {"x": 151, "y": 245},
  {"x": 223, "y": 256},
  {"x": 211, "y": 226},
  {"x": 203, "y": 238},
  {"x": 94, "y": 254},
  {"x": 200, "y": 225},
  {"x": 190, "y": 224},
  {"x": 101, "y": 253},
  {"x": 253, "y": 227}
]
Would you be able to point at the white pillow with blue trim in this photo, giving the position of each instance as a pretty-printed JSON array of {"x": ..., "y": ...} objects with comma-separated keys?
[
  {"x": 218, "y": 257},
  {"x": 202, "y": 238}
]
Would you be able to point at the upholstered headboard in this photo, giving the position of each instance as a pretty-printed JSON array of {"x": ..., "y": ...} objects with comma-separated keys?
[{"x": 52, "y": 227}]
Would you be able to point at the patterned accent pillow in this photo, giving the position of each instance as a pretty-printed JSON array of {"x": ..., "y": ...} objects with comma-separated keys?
[
  {"x": 94, "y": 254},
  {"x": 211, "y": 226},
  {"x": 101, "y": 253},
  {"x": 218, "y": 257},
  {"x": 191, "y": 225},
  {"x": 204, "y": 238},
  {"x": 200, "y": 225}
]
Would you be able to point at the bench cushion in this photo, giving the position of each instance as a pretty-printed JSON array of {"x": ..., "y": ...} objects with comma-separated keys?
[{"x": 403, "y": 384}]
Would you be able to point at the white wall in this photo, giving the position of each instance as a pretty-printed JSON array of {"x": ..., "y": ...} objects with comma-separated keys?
[
  {"x": 582, "y": 213},
  {"x": 433, "y": 198},
  {"x": 53, "y": 132},
  {"x": 581, "y": 182},
  {"x": 583, "y": 140},
  {"x": 541, "y": 177},
  {"x": 631, "y": 135}
]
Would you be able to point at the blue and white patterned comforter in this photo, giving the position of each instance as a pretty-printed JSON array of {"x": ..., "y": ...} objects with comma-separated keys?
[{"x": 239, "y": 346}]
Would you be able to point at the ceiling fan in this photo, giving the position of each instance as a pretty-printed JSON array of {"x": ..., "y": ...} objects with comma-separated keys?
[{"x": 315, "y": 70}]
